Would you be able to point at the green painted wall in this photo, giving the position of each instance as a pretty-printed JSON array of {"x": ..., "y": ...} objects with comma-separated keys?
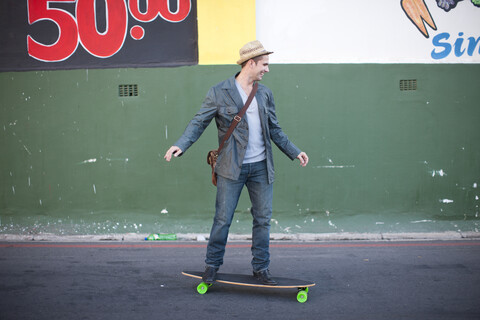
[{"x": 77, "y": 158}]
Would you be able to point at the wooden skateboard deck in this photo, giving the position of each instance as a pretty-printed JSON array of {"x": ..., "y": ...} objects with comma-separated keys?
[{"x": 249, "y": 281}]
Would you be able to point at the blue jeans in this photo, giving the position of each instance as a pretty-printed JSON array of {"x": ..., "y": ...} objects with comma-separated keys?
[{"x": 254, "y": 176}]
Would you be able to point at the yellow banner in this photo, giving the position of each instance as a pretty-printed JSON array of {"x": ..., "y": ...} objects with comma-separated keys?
[{"x": 224, "y": 26}]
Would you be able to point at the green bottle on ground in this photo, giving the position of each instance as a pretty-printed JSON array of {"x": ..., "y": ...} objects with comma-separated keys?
[{"x": 161, "y": 236}]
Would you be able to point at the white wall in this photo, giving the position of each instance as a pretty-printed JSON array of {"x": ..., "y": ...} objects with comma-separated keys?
[{"x": 352, "y": 31}]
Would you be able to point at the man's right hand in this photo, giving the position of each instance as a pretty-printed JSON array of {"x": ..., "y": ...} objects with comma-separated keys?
[{"x": 174, "y": 150}]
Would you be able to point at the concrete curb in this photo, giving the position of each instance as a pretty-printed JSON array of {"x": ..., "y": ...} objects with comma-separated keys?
[{"x": 202, "y": 237}]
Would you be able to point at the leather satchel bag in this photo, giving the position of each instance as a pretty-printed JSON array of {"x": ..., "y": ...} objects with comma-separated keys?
[{"x": 212, "y": 155}]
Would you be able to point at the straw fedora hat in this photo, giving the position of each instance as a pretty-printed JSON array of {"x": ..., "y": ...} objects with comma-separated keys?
[{"x": 251, "y": 50}]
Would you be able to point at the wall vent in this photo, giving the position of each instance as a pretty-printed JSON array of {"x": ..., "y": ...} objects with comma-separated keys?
[
  {"x": 408, "y": 85},
  {"x": 128, "y": 90}
]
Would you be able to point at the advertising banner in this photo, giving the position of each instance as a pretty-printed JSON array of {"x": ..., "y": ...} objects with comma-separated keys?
[{"x": 71, "y": 34}]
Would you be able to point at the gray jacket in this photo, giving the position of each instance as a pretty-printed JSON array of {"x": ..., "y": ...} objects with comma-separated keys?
[{"x": 223, "y": 101}]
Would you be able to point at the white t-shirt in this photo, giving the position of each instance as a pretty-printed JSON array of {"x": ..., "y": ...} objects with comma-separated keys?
[{"x": 256, "y": 146}]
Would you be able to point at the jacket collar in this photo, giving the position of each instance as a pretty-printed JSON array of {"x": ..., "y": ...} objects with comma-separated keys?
[
  {"x": 231, "y": 88},
  {"x": 232, "y": 91}
]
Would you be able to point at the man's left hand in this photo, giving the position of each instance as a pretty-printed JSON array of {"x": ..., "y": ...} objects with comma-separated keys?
[{"x": 303, "y": 159}]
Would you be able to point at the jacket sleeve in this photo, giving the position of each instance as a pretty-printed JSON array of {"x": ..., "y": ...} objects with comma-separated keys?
[
  {"x": 199, "y": 123},
  {"x": 276, "y": 133}
]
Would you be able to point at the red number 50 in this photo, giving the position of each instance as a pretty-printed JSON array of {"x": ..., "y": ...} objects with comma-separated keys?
[{"x": 83, "y": 29}]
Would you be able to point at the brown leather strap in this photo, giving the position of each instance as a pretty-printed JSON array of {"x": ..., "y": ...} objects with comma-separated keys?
[{"x": 239, "y": 116}]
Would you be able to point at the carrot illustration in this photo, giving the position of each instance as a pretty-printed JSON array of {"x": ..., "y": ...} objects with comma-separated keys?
[{"x": 417, "y": 12}]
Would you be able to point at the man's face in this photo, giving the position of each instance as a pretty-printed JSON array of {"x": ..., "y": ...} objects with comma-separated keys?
[{"x": 260, "y": 68}]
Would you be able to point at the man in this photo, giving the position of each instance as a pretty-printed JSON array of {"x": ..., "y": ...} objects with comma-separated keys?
[{"x": 246, "y": 157}]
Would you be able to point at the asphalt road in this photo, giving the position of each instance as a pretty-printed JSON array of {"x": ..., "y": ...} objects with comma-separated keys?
[{"x": 125, "y": 280}]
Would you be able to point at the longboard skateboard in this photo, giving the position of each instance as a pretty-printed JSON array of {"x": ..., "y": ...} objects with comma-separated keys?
[{"x": 249, "y": 281}]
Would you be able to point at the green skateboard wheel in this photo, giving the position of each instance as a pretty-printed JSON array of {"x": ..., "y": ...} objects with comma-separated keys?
[
  {"x": 202, "y": 288},
  {"x": 302, "y": 296}
]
